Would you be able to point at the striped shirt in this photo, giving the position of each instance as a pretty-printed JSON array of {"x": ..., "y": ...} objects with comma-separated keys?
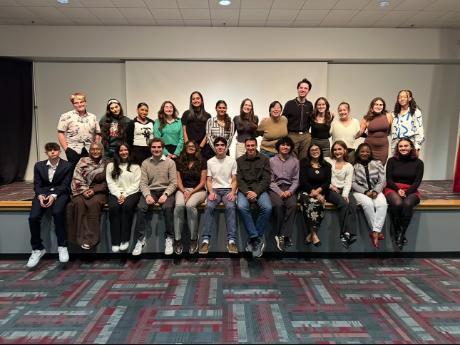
[{"x": 214, "y": 130}]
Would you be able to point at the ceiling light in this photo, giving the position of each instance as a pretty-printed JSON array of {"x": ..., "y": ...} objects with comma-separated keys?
[
  {"x": 63, "y": 2},
  {"x": 384, "y": 3},
  {"x": 224, "y": 2}
]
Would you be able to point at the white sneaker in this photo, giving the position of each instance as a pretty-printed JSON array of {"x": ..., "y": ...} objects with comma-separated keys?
[
  {"x": 169, "y": 246},
  {"x": 63, "y": 254},
  {"x": 115, "y": 249},
  {"x": 124, "y": 245},
  {"x": 138, "y": 247},
  {"x": 35, "y": 257}
]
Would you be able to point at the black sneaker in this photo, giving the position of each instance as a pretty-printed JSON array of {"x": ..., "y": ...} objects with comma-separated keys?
[
  {"x": 258, "y": 246},
  {"x": 280, "y": 243},
  {"x": 250, "y": 245},
  {"x": 344, "y": 237},
  {"x": 178, "y": 248}
]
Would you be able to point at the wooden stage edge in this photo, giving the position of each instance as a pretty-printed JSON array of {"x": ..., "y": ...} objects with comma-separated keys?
[{"x": 428, "y": 204}]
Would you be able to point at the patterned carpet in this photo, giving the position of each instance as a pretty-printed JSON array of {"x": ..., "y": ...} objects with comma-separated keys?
[
  {"x": 231, "y": 301},
  {"x": 430, "y": 189}
]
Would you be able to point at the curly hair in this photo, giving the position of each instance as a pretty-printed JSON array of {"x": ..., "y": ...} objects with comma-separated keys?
[
  {"x": 358, "y": 159},
  {"x": 412, "y": 104}
]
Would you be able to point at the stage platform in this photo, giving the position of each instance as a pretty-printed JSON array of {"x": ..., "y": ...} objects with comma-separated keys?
[{"x": 435, "y": 227}]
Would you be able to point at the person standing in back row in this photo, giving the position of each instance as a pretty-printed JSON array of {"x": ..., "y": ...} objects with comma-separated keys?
[
  {"x": 298, "y": 112},
  {"x": 77, "y": 129}
]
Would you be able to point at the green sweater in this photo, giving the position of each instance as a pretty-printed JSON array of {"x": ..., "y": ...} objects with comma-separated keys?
[{"x": 171, "y": 134}]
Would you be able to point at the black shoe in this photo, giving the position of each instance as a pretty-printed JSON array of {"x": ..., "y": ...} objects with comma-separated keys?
[
  {"x": 258, "y": 248},
  {"x": 287, "y": 242},
  {"x": 280, "y": 243},
  {"x": 250, "y": 244},
  {"x": 178, "y": 248},
  {"x": 345, "y": 239}
]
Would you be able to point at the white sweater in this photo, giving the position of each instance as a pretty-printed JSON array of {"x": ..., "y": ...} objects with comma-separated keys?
[
  {"x": 128, "y": 181},
  {"x": 341, "y": 178}
]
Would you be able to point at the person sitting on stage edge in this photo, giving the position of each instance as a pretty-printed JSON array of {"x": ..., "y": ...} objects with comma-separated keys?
[
  {"x": 253, "y": 177},
  {"x": 52, "y": 188},
  {"x": 404, "y": 173},
  {"x": 283, "y": 186},
  {"x": 314, "y": 182},
  {"x": 191, "y": 179},
  {"x": 158, "y": 184},
  {"x": 222, "y": 185},
  {"x": 89, "y": 189},
  {"x": 339, "y": 194},
  {"x": 123, "y": 178},
  {"x": 368, "y": 183},
  {"x": 77, "y": 129}
]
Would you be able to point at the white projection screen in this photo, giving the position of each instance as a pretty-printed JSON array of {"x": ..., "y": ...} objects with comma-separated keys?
[{"x": 156, "y": 81}]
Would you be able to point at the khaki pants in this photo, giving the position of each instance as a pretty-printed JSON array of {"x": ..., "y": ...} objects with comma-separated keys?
[{"x": 301, "y": 144}]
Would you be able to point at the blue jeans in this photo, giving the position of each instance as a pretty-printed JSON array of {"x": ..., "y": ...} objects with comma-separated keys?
[
  {"x": 230, "y": 215},
  {"x": 267, "y": 154},
  {"x": 265, "y": 211}
]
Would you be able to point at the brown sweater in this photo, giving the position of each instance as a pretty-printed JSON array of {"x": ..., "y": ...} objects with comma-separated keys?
[
  {"x": 158, "y": 175},
  {"x": 271, "y": 131}
]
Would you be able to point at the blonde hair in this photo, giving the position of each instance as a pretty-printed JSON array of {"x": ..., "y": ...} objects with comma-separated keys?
[{"x": 77, "y": 95}]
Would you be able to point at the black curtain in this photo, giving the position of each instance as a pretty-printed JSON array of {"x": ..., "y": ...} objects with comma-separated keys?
[{"x": 16, "y": 99}]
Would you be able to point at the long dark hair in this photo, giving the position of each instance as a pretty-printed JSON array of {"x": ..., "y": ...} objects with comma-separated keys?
[
  {"x": 116, "y": 172},
  {"x": 327, "y": 113},
  {"x": 357, "y": 159},
  {"x": 108, "y": 113},
  {"x": 162, "y": 115},
  {"x": 412, "y": 153},
  {"x": 197, "y": 113},
  {"x": 370, "y": 113},
  {"x": 250, "y": 117},
  {"x": 412, "y": 104},
  {"x": 186, "y": 158},
  {"x": 228, "y": 121},
  {"x": 105, "y": 125}
]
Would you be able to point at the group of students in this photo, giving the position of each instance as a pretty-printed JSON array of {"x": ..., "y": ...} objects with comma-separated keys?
[{"x": 178, "y": 164}]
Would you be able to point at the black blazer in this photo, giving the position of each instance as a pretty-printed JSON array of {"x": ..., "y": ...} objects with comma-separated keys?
[{"x": 61, "y": 179}]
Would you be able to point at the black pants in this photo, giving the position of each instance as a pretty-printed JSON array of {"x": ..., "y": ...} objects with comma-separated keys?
[
  {"x": 121, "y": 218},
  {"x": 36, "y": 214},
  {"x": 283, "y": 211},
  {"x": 402, "y": 209},
  {"x": 140, "y": 153},
  {"x": 73, "y": 157},
  {"x": 346, "y": 211},
  {"x": 144, "y": 213}
]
